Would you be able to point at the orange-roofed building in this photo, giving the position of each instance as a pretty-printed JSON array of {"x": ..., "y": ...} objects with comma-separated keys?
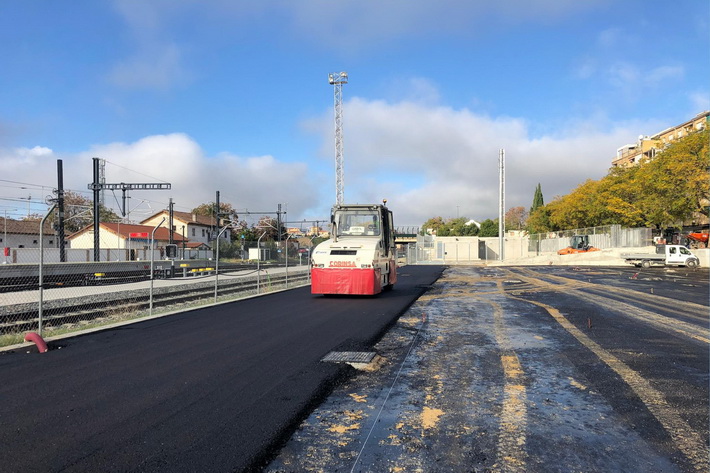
[{"x": 123, "y": 235}]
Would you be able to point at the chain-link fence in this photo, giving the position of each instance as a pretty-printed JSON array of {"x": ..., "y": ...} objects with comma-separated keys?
[
  {"x": 449, "y": 250},
  {"x": 40, "y": 293},
  {"x": 610, "y": 236}
]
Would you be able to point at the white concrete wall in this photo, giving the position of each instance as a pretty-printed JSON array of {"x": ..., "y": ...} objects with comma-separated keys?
[{"x": 16, "y": 240}]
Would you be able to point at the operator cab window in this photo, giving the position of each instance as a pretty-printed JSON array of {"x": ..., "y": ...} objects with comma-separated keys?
[{"x": 358, "y": 223}]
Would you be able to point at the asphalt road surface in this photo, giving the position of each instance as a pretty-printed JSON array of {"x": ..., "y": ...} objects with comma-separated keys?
[
  {"x": 214, "y": 389},
  {"x": 527, "y": 369}
]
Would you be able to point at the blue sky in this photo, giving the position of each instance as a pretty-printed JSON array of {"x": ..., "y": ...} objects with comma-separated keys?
[{"x": 233, "y": 96}]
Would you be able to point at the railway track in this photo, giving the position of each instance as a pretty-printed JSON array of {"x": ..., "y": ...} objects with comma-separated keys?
[
  {"x": 18, "y": 278},
  {"x": 116, "y": 305}
]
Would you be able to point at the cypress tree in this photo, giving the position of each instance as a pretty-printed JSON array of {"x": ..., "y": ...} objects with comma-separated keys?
[{"x": 538, "y": 200}]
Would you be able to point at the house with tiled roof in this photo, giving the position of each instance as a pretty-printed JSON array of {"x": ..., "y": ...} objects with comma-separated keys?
[
  {"x": 195, "y": 228},
  {"x": 25, "y": 234},
  {"x": 124, "y": 235}
]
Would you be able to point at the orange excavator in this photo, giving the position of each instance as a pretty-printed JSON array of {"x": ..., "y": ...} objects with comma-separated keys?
[{"x": 578, "y": 244}]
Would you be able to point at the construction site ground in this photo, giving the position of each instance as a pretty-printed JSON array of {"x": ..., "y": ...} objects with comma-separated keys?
[{"x": 527, "y": 369}]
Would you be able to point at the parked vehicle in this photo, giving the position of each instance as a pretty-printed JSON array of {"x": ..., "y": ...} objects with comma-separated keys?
[{"x": 665, "y": 255}]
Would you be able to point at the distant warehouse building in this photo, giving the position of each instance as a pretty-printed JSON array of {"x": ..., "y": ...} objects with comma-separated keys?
[{"x": 648, "y": 147}]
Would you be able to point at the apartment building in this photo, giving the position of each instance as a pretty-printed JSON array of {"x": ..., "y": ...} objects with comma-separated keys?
[{"x": 649, "y": 146}]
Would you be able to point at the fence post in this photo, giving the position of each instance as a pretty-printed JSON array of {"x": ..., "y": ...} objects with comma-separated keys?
[
  {"x": 216, "y": 274},
  {"x": 152, "y": 257},
  {"x": 41, "y": 269},
  {"x": 289, "y": 236}
]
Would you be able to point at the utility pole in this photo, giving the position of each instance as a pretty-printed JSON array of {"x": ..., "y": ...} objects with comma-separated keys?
[
  {"x": 337, "y": 79},
  {"x": 216, "y": 210},
  {"x": 278, "y": 224},
  {"x": 60, "y": 206},
  {"x": 97, "y": 186},
  {"x": 102, "y": 180},
  {"x": 216, "y": 224},
  {"x": 170, "y": 221},
  {"x": 501, "y": 206}
]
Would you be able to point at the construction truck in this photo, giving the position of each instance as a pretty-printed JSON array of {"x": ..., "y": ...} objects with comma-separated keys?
[
  {"x": 577, "y": 244},
  {"x": 359, "y": 257}
]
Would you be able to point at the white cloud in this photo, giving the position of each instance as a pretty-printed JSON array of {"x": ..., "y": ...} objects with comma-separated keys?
[
  {"x": 15, "y": 162},
  {"x": 609, "y": 37},
  {"x": 350, "y": 24},
  {"x": 586, "y": 68},
  {"x": 700, "y": 101},
  {"x": 634, "y": 80},
  {"x": 159, "y": 68},
  {"x": 355, "y": 22},
  {"x": 662, "y": 73},
  {"x": 624, "y": 74},
  {"x": 158, "y": 62},
  {"x": 257, "y": 183},
  {"x": 427, "y": 161}
]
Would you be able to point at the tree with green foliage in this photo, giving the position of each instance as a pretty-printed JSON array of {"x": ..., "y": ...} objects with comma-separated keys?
[
  {"x": 434, "y": 224},
  {"x": 489, "y": 228},
  {"x": 242, "y": 229},
  {"x": 226, "y": 210},
  {"x": 452, "y": 227},
  {"x": 538, "y": 200}
]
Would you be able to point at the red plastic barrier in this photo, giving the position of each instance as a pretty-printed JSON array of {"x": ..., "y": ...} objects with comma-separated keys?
[{"x": 37, "y": 340}]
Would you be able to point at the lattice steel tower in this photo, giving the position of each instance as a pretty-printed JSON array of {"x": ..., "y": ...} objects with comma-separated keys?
[{"x": 337, "y": 79}]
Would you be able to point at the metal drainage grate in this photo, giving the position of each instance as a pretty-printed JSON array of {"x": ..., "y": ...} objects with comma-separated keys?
[{"x": 349, "y": 356}]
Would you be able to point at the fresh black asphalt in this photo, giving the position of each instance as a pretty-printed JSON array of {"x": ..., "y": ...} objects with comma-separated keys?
[{"x": 214, "y": 389}]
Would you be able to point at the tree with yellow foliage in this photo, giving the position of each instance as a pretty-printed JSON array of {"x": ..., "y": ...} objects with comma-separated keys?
[{"x": 667, "y": 191}]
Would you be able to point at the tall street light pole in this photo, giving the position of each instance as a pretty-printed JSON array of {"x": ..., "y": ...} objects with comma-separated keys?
[{"x": 337, "y": 79}]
